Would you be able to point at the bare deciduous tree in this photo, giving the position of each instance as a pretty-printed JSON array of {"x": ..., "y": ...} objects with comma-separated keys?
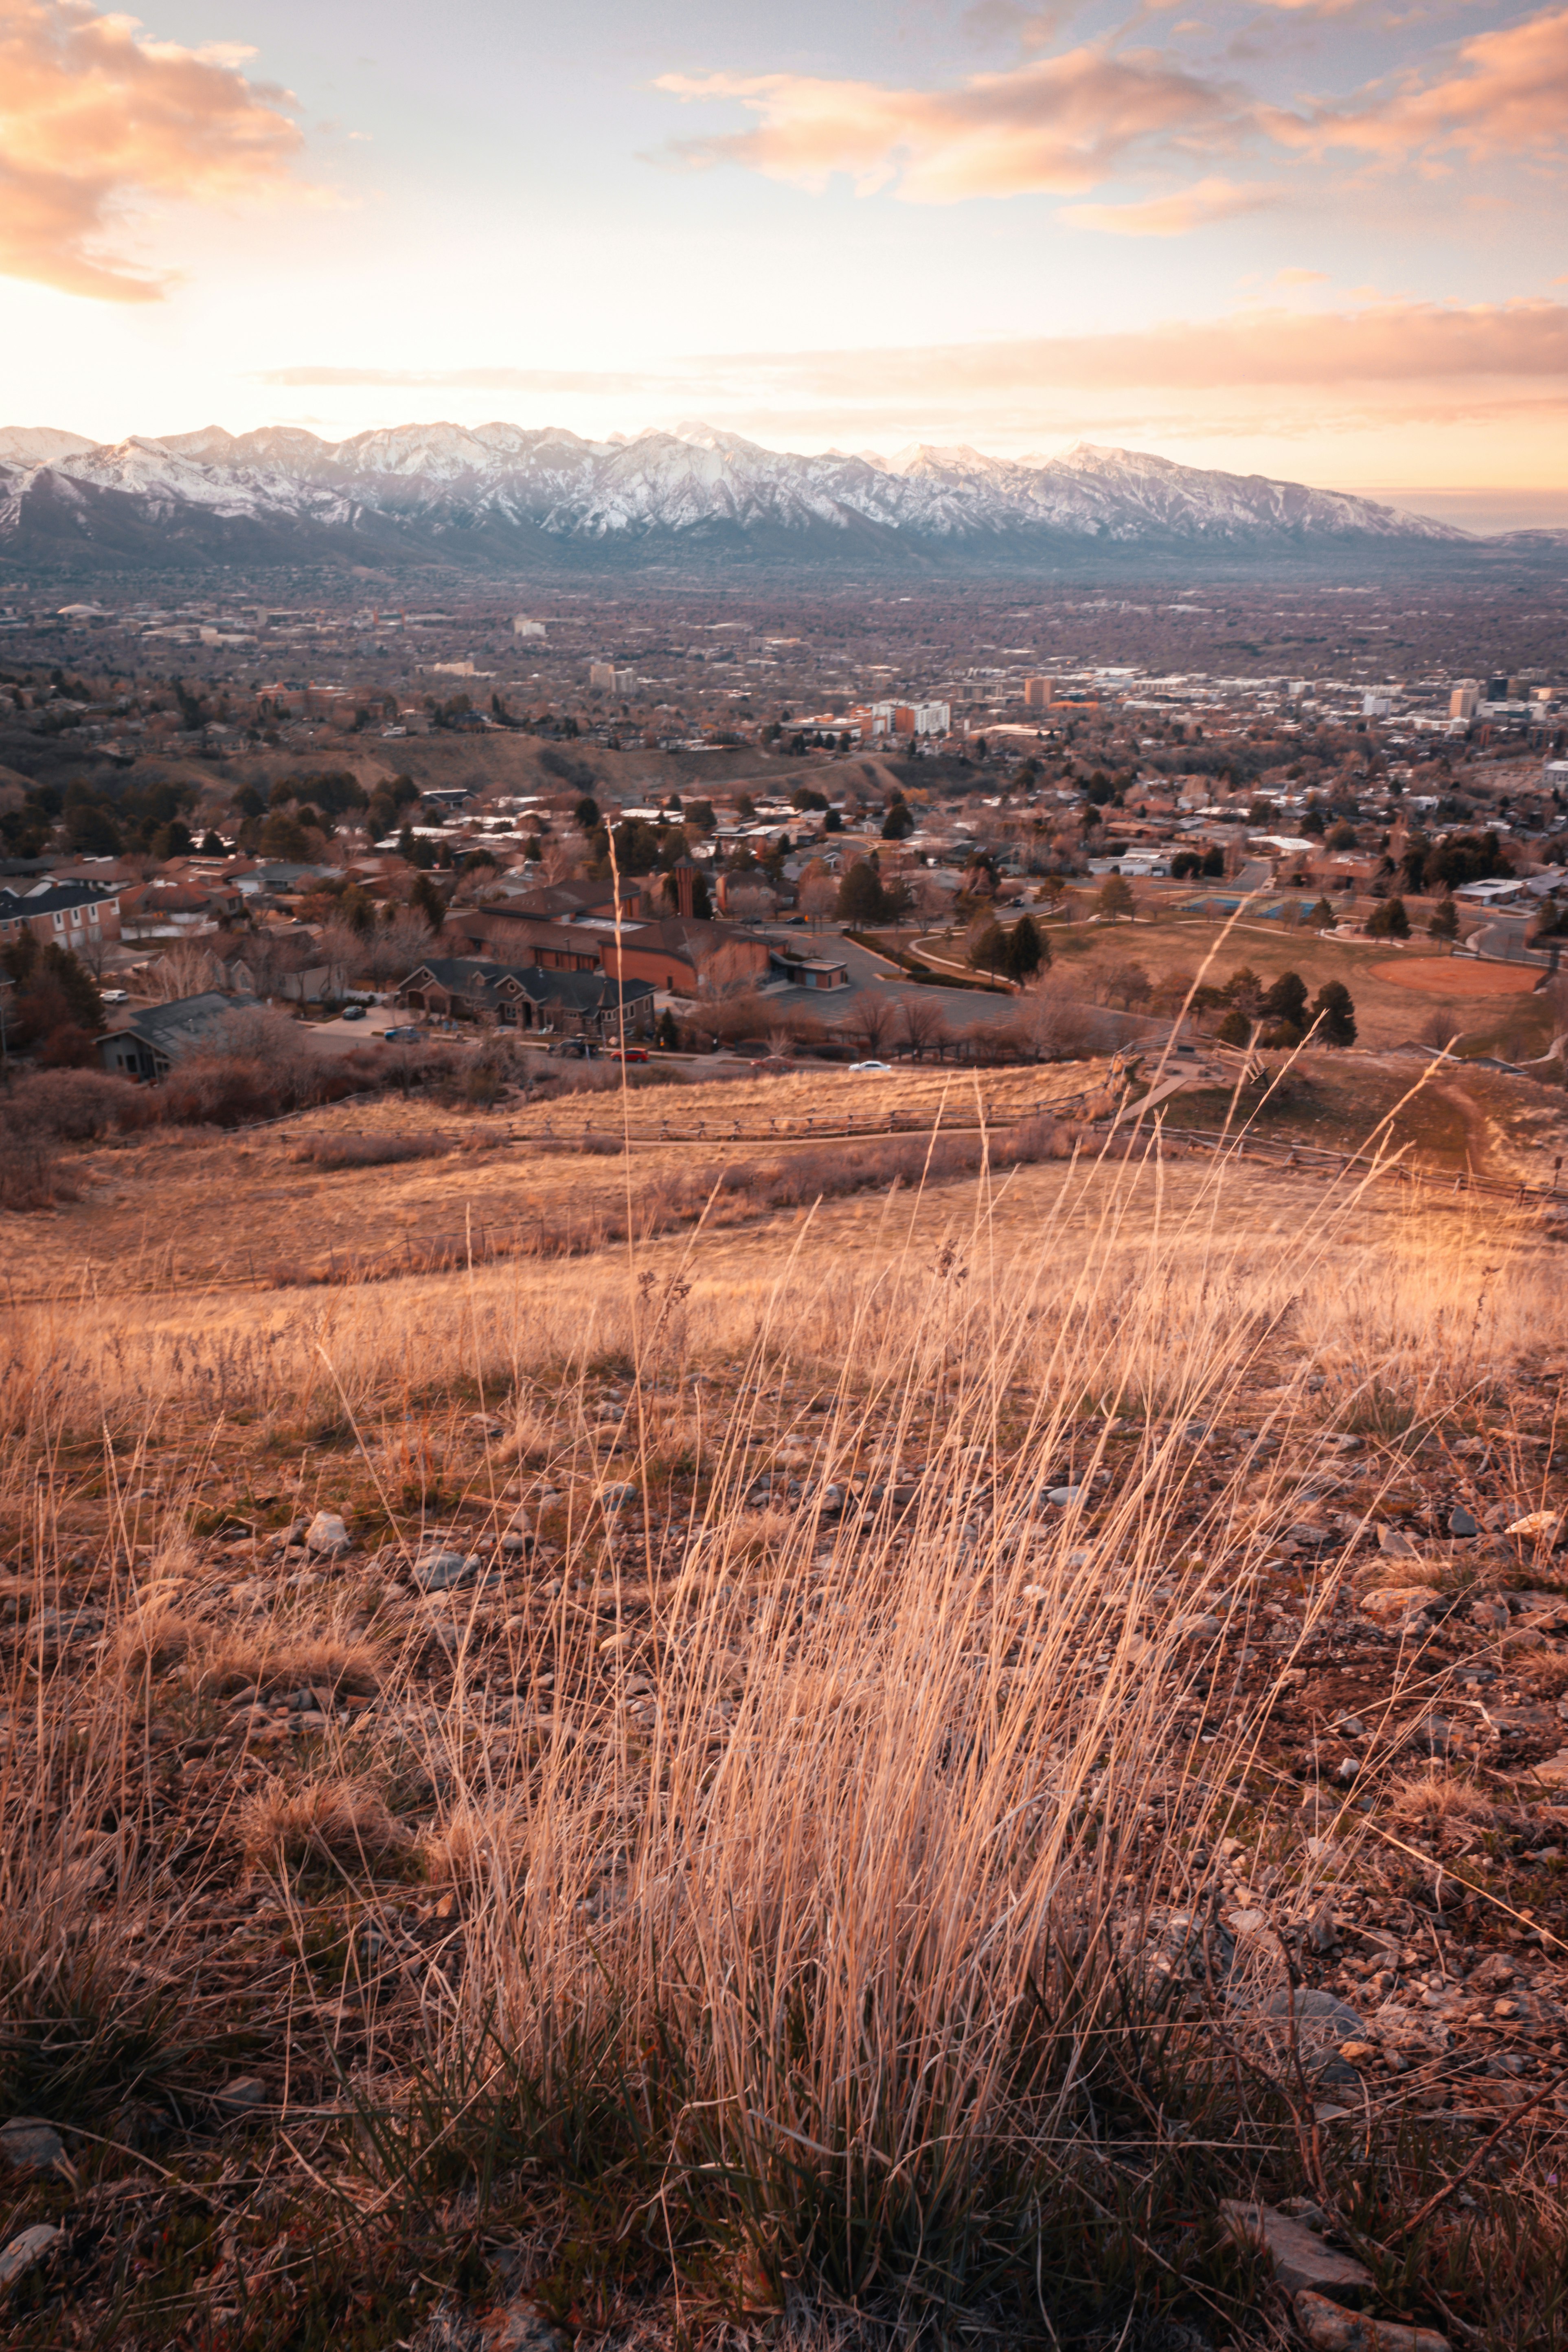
[
  {"x": 394, "y": 950},
  {"x": 819, "y": 898},
  {"x": 922, "y": 1025},
  {"x": 872, "y": 1019},
  {"x": 186, "y": 968},
  {"x": 753, "y": 902}
]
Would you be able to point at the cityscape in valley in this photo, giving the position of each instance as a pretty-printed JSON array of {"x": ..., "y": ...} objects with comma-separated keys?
[{"x": 783, "y": 1179}]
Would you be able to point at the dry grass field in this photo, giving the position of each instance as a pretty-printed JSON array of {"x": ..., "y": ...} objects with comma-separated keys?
[
  {"x": 851, "y": 1773},
  {"x": 1487, "y": 1004}
]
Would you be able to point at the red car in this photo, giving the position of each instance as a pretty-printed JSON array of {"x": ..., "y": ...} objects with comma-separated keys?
[{"x": 632, "y": 1053}]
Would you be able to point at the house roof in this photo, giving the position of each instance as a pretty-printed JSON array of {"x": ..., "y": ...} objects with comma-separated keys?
[
  {"x": 186, "y": 1024},
  {"x": 48, "y": 897}
]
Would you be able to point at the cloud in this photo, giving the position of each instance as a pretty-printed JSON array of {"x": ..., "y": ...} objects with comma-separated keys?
[
  {"x": 483, "y": 379},
  {"x": 1058, "y": 126},
  {"x": 1300, "y": 278},
  {"x": 1173, "y": 214},
  {"x": 94, "y": 120},
  {"x": 1509, "y": 97},
  {"x": 1391, "y": 342}
]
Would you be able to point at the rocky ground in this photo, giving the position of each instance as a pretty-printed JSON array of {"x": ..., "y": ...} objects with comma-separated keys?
[{"x": 249, "y": 1699}]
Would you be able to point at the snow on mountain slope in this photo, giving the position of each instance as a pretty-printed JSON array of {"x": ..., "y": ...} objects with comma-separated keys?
[
  {"x": 38, "y": 445},
  {"x": 497, "y": 490}
]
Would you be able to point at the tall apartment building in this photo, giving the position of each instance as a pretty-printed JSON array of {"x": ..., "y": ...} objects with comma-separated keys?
[
  {"x": 608, "y": 679},
  {"x": 521, "y": 626},
  {"x": 1462, "y": 701},
  {"x": 1039, "y": 693}
]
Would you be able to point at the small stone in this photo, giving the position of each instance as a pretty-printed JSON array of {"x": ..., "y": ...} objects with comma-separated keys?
[
  {"x": 519, "y": 2327},
  {"x": 1062, "y": 1495},
  {"x": 1538, "y": 1523},
  {"x": 1322, "y": 2022},
  {"x": 328, "y": 1536},
  {"x": 1398, "y": 1544},
  {"x": 25, "y": 2251},
  {"x": 1301, "y": 2258},
  {"x": 441, "y": 1571},
  {"x": 1329, "y": 2328},
  {"x": 1393, "y": 1601},
  {"x": 241, "y": 2096},
  {"x": 1462, "y": 1522},
  {"x": 29, "y": 2146}
]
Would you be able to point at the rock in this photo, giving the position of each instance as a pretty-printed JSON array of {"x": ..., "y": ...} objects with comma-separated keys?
[
  {"x": 1462, "y": 1522},
  {"x": 1299, "y": 2257},
  {"x": 1330, "y": 2328},
  {"x": 618, "y": 1497},
  {"x": 1393, "y": 1600},
  {"x": 29, "y": 2146},
  {"x": 441, "y": 1571},
  {"x": 1322, "y": 2022},
  {"x": 328, "y": 1536},
  {"x": 1494, "y": 1972},
  {"x": 1062, "y": 1495},
  {"x": 1398, "y": 1544},
  {"x": 25, "y": 2251},
  {"x": 1538, "y": 1523},
  {"x": 519, "y": 2327},
  {"x": 241, "y": 2096}
]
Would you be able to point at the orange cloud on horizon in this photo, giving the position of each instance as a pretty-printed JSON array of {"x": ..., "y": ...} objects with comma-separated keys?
[{"x": 93, "y": 120}]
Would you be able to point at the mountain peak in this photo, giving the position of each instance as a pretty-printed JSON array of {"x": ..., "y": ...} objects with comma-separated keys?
[{"x": 500, "y": 494}]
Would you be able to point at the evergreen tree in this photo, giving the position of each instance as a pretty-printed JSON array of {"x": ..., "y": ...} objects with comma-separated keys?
[
  {"x": 860, "y": 895},
  {"x": 988, "y": 952},
  {"x": 1388, "y": 920},
  {"x": 1444, "y": 922},
  {"x": 1334, "y": 1015},
  {"x": 1286, "y": 999},
  {"x": 428, "y": 901},
  {"x": 1027, "y": 950},
  {"x": 1114, "y": 898}
]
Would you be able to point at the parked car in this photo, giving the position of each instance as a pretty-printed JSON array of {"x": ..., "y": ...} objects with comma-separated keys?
[
  {"x": 354, "y": 1012},
  {"x": 405, "y": 1034},
  {"x": 115, "y": 995},
  {"x": 573, "y": 1049},
  {"x": 882, "y": 1067},
  {"x": 632, "y": 1053}
]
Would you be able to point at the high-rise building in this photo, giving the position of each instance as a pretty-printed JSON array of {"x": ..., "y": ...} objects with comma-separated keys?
[
  {"x": 608, "y": 679},
  {"x": 1462, "y": 702},
  {"x": 521, "y": 626},
  {"x": 1039, "y": 693}
]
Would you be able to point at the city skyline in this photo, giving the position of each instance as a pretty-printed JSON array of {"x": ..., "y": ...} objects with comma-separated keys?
[{"x": 1314, "y": 241}]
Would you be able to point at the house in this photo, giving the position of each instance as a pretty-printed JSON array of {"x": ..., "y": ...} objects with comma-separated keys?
[
  {"x": 163, "y": 1034},
  {"x": 282, "y": 963},
  {"x": 809, "y": 971},
  {"x": 72, "y": 914},
  {"x": 525, "y": 997}
]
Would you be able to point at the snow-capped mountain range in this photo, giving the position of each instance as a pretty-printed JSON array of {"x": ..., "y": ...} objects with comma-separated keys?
[{"x": 496, "y": 496}]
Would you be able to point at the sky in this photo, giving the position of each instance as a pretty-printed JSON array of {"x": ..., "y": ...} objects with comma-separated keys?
[{"x": 1323, "y": 239}]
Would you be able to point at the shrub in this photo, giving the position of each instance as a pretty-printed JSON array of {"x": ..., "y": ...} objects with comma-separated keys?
[
  {"x": 74, "y": 1105},
  {"x": 367, "y": 1150}
]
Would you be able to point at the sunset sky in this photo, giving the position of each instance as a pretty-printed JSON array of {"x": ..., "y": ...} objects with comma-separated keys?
[{"x": 1328, "y": 241}]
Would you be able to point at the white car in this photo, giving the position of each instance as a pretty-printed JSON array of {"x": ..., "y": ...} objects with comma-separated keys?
[
  {"x": 115, "y": 995},
  {"x": 885, "y": 1067}
]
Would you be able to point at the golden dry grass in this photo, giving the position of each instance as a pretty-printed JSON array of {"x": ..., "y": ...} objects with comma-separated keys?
[{"x": 823, "y": 1875}]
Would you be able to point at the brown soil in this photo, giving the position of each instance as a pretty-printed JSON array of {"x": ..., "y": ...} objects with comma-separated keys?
[{"x": 1442, "y": 976}]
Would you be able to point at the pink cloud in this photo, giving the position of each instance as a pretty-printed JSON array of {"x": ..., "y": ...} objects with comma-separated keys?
[
  {"x": 1509, "y": 97},
  {"x": 1177, "y": 214},
  {"x": 1400, "y": 344},
  {"x": 1057, "y": 126},
  {"x": 94, "y": 120}
]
